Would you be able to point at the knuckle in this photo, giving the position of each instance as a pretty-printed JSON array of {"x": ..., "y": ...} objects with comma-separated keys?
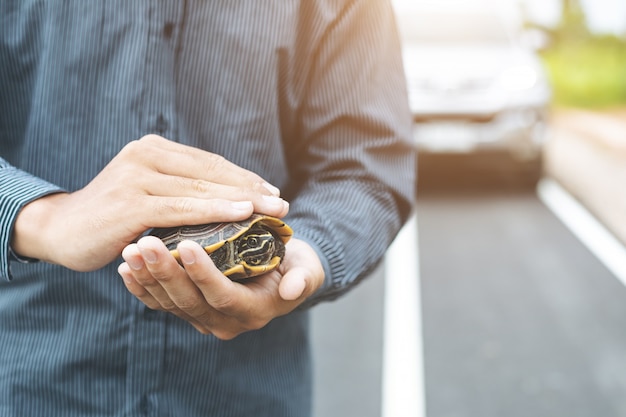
[
  {"x": 163, "y": 279},
  {"x": 201, "y": 186},
  {"x": 146, "y": 281},
  {"x": 152, "y": 304},
  {"x": 189, "y": 304},
  {"x": 131, "y": 147},
  {"x": 174, "y": 206},
  {"x": 256, "y": 324},
  {"x": 203, "y": 330},
  {"x": 216, "y": 162},
  {"x": 168, "y": 305},
  {"x": 224, "y": 304},
  {"x": 225, "y": 334},
  {"x": 258, "y": 187},
  {"x": 183, "y": 205},
  {"x": 150, "y": 139},
  {"x": 140, "y": 150},
  {"x": 139, "y": 146}
]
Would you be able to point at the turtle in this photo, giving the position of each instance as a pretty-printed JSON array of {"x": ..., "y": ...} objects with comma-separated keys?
[{"x": 241, "y": 249}]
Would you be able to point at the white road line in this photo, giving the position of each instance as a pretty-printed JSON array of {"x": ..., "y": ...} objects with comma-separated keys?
[
  {"x": 593, "y": 234},
  {"x": 403, "y": 367}
]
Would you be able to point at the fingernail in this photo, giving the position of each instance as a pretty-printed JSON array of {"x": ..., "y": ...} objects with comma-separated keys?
[
  {"x": 241, "y": 205},
  {"x": 187, "y": 256},
  {"x": 149, "y": 255},
  {"x": 122, "y": 269},
  {"x": 275, "y": 201},
  {"x": 275, "y": 191},
  {"x": 135, "y": 264},
  {"x": 126, "y": 278}
]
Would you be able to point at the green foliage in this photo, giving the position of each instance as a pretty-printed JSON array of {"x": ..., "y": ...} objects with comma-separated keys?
[
  {"x": 572, "y": 25},
  {"x": 585, "y": 70},
  {"x": 588, "y": 73}
]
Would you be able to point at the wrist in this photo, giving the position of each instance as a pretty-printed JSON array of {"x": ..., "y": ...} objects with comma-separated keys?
[{"x": 29, "y": 238}]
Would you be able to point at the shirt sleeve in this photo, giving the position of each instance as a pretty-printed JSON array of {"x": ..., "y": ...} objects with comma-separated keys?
[
  {"x": 354, "y": 165},
  {"x": 17, "y": 188}
]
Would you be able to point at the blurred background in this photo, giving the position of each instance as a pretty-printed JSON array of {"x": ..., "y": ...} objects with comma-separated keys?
[{"x": 519, "y": 302}]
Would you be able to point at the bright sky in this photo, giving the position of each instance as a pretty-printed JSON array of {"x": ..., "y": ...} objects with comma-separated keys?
[
  {"x": 603, "y": 16},
  {"x": 606, "y": 15}
]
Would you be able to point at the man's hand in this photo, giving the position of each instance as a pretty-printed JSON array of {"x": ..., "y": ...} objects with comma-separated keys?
[
  {"x": 152, "y": 182},
  {"x": 212, "y": 303}
]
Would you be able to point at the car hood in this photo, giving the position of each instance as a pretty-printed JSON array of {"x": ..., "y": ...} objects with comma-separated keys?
[
  {"x": 478, "y": 80},
  {"x": 464, "y": 61}
]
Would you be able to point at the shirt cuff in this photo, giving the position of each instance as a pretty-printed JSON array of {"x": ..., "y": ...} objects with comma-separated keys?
[
  {"x": 330, "y": 257},
  {"x": 17, "y": 188}
]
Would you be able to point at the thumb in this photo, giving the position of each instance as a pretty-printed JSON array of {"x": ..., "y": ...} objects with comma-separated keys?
[{"x": 292, "y": 285}]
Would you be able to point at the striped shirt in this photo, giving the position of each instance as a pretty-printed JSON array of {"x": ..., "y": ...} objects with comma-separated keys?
[{"x": 309, "y": 94}]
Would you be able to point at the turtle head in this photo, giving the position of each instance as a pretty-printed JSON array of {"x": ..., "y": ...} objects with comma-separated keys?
[{"x": 258, "y": 246}]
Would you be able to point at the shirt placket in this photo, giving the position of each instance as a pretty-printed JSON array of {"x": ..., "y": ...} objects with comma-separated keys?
[
  {"x": 147, "y": 341},
  {"x": 164, "y": 25}
]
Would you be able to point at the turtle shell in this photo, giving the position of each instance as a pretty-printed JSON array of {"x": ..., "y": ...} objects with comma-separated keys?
[{"x": 239, "y": 249}]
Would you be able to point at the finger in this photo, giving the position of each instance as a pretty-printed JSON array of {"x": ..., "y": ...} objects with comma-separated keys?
[
  {"x": 135, "y": 288},
  {"x": 235, "y": 313},
  {"x": 201, "y": 328},
  {"x": 205, "y": 321},
  {"x": 171, "y": 186},
  {"x": 135, "y": 271},
  {"x": 176, "y": 211},
  {"x": 302, "y": 271},
  {"x": 220, "y": 292},
  {"x": 178, "y": 290},
  {"x": 144, "y": 296},
  {"x": 186, "y": 161},
  {"x": 142, "y": 283},
  {"x": 293, "y": 284}
]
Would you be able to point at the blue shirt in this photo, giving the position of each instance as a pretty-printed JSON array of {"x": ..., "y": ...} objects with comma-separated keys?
[{"x": 309, "y": 94}]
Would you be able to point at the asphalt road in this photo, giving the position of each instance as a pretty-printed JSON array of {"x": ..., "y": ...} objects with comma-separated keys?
[{"x": 518, "y": 317}]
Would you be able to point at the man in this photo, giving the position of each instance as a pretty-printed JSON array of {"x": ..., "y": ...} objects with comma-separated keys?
[{"x": 122, "y": 116}]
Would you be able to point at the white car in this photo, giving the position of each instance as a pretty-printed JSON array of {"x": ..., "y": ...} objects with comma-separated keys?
[{"x": 472, "y": 84}]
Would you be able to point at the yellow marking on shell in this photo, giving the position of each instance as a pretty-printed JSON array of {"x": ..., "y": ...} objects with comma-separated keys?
[
  {"x": 208, "y": 249},
  {"x": 237, "y": 269},
  {"x": 281, "y": 228},
  {"x": 212, "y": 248},
  {"x": 242, "y": 268}
]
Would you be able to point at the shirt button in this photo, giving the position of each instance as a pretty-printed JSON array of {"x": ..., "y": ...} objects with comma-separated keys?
[
  {"x": 168, "y": 30},
  {"x": 145, "y": 405},
  {"x": 161, "y": 125}
]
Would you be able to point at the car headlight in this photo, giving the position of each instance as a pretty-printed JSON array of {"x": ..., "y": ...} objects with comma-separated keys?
[{"x": 519, "y": 78}]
